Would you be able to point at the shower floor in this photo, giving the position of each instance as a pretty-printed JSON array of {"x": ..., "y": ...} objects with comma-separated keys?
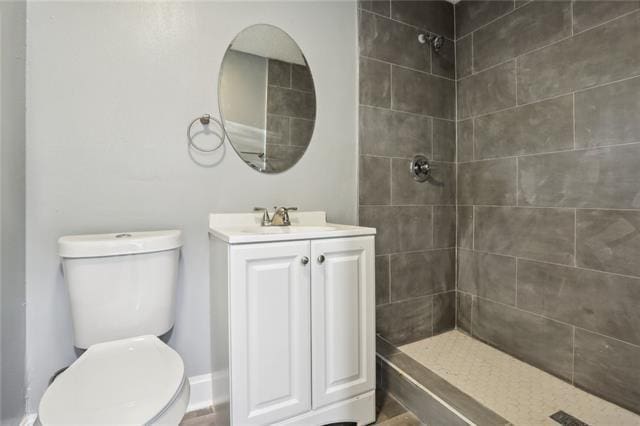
[{"x": 517, "y": 391}]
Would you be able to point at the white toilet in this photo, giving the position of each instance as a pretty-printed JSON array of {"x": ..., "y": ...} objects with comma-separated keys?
[{"x": 122, "y": 291}]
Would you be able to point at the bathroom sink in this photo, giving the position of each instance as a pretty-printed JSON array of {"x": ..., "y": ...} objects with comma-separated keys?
[
  {"x": 242, "y": 228},
  {"x": 292, "y": 229}
]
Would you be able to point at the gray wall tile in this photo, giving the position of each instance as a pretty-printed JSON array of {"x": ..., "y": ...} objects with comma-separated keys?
[
  {"x": 608, "y": 368},
  {"x": 279, "y": 73},
  {"x": 487, "y": 275},
  {"x": 465, "y": 227},
  {"x": 540, "y": 127},
  {"x": 391, "y": 41},
  {"x": 608, "y": 240},
  {"x": 382, "y": 279},
  {"x": 375, "y": 83},
  {"x": 463, "y": 311},
  {"x": 444, "y": 226},
  {"x": 375, "y": 180},
  {"x": 582, "y": 61},
  {"x": 587, "y": 14},
  {"x": 472, "y": 14},
  {"x": 533, "y": 233},
  {"x": 399, "y": 228},
  {"x": 434, "y": 16},
  {"x": 444, "y": 312},
  {"x": 534, "y": 25},
  {"x": 601, "y": 178},
  {"x": 490, "y": 182},
  {"x": 487, "y": 91},
  {"x": 439, "y": 189},
  {"x": 421, "y": 93},
  {"x": 381, "y": 7},
  {"x": 393, "y": 134},
  {"x": 277, "y": 129},
  {"x": 422, "y": 274},
  {"x": 464, "y": 57},
  {"x": 292, "y": 103},
  {"x": 444, "y": 140},
  {"x": 301, "y": 131},
  {"x": 405, "y": 322},
  {"x": 464, "y": 148},
  {"x": 608, "y": 115},
  {"x": 596, "y": 301},
  {"x": 539, "y": 341},
  {"x": 301, "y": 78}
]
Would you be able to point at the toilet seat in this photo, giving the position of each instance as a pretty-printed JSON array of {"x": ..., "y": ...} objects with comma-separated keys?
[{"x": 129, "y": 381}]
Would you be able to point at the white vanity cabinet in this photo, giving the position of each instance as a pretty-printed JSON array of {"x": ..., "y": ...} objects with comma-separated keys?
[{"x": 293, "y": 323}]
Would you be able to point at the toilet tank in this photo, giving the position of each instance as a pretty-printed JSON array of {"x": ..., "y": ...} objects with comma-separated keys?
[{"x": 120, "y": 285}]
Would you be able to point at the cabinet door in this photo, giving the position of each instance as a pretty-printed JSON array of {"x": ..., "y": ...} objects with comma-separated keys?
[
  {"x": 269, "y": 288},
  {"x": 342, "y": 318}
]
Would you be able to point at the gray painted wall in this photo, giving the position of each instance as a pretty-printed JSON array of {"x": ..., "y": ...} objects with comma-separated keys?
[
  {"x": 549, "y": 187},
  {"x": 407, "y": 107},
  {"x": 110, "y": 90},
  {"x": 12, "y": 211}
]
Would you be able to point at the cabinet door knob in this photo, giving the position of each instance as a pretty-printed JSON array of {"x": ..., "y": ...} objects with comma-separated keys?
[
  {"x": 305, "y": 260},
  {"x": 321, "y": 258}
]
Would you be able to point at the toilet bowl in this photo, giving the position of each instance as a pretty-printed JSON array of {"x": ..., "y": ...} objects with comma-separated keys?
[{"x": 138, "y": 380}]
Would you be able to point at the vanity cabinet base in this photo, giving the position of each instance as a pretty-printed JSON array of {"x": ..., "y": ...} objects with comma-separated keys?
[{"x": 360, "y": 409}]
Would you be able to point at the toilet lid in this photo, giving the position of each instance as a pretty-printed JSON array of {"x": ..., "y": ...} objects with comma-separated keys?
[{"x": 125, "y": 381}]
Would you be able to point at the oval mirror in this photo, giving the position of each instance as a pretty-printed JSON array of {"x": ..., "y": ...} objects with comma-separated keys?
[{"x": 267, "y": 98}]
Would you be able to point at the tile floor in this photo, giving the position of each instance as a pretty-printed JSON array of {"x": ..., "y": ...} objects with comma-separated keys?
[
  {"x": 389, "y": 412},
  {"x": 517, "y": 391}
]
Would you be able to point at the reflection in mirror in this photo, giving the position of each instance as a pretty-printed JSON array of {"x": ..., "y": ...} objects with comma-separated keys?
[{"x": 267, "y": 98}]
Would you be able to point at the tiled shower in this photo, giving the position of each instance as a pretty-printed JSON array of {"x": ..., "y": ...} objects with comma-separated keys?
[{"x": 528, "y": 236}]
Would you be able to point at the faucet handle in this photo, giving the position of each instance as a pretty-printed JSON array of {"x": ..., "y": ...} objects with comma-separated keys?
[{"x": 266, "y": 220}]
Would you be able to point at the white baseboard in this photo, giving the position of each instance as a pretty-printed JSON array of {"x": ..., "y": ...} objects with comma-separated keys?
[{"x": 206, "y": 390}]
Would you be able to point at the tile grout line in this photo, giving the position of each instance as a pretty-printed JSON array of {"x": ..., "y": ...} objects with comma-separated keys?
[
  {"x": 575, "y": 237},
  {"x": 371, "y": 58},
  {"x": 416, "y": 114},
  {"x": 488, "y": 23},
  {"x": 573, "y": 355},
  {"x": 573, "y": 118},
  {"x": 515, "y": 303},
  {"x": 390, "y": 18}
]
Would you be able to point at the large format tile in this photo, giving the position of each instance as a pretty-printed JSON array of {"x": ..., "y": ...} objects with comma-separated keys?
[
  {"x": 487, "y": 275},
  {"x": 540, "y": 127},
  {"x": 381, "y": 7},
  {"x": 439, "y": 189},
  {"x": 277, "y": 129},
  {"x": 434, "y": 16},
  {"x": 608, "y": 368},
  {"x": 585, "y": 60},
  {"x": 608, "y": 115},
  {"x": 464, "y": 56},
  {"x": 301, "y": 78},
  {"x": 490, "y": 90},
  {"x": 375, "y": 83},
  {"x": 444, "y": 140},
  {"x": 533, "y": 233},
  {"x": 464, "y": 303},
  {"x": 472, "y": 14},
  {"x": 444, "y": 312},
  {"x": 539, "y": 341},
  {"x": 421, "y": 93},
  {"x": 587, "y": 14},
  {"x": 279, "y": 73},
  {"x": 393, "y": 42},
  {"x": 596, "y": 301},
  {"x": 608, "y": 240},
  {"x": 399, "y": 228},
  {"x": 443, "y": 61},
  {"x": 375, "y": 180},
  {"x": 464, "y": 149},
  {"x": 465, "y": 227},
  {"x": 382, "y": 279},
  {"x": 422, "y": 274},
  {"x": 404, "y": 322},
  {"x": 601, "y": 178},
  {"x": 301, "y": 131},
  {"x": 490, "y": 182},
  {"x": 534, "y": 25},
  {"x": 393, "y": 134},
  {"x": 444, "y": 226},
  {"x": 292, "y": 103}
]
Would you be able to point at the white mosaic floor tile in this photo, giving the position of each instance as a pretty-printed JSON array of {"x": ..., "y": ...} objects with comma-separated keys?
[{"x": 519, "y": 392}]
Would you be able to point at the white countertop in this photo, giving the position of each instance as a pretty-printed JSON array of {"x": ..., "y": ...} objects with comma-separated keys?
[{"x": 242, "y": 228}]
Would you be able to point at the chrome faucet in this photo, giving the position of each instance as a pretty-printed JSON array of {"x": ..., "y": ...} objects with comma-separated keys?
[{"x": 280, "y": 216}]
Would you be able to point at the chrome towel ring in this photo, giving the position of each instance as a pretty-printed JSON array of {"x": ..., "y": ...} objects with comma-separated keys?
[{"x": 205, "y": 120}]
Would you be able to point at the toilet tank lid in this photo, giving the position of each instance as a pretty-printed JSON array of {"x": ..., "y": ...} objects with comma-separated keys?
[{"x": 99, "y": 245}]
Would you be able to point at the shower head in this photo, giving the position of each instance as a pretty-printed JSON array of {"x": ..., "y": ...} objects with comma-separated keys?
[{"x": 434, "y": 40}]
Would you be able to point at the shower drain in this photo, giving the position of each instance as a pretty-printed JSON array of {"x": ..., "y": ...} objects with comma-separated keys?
[{"x": 567, "y": 419}]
